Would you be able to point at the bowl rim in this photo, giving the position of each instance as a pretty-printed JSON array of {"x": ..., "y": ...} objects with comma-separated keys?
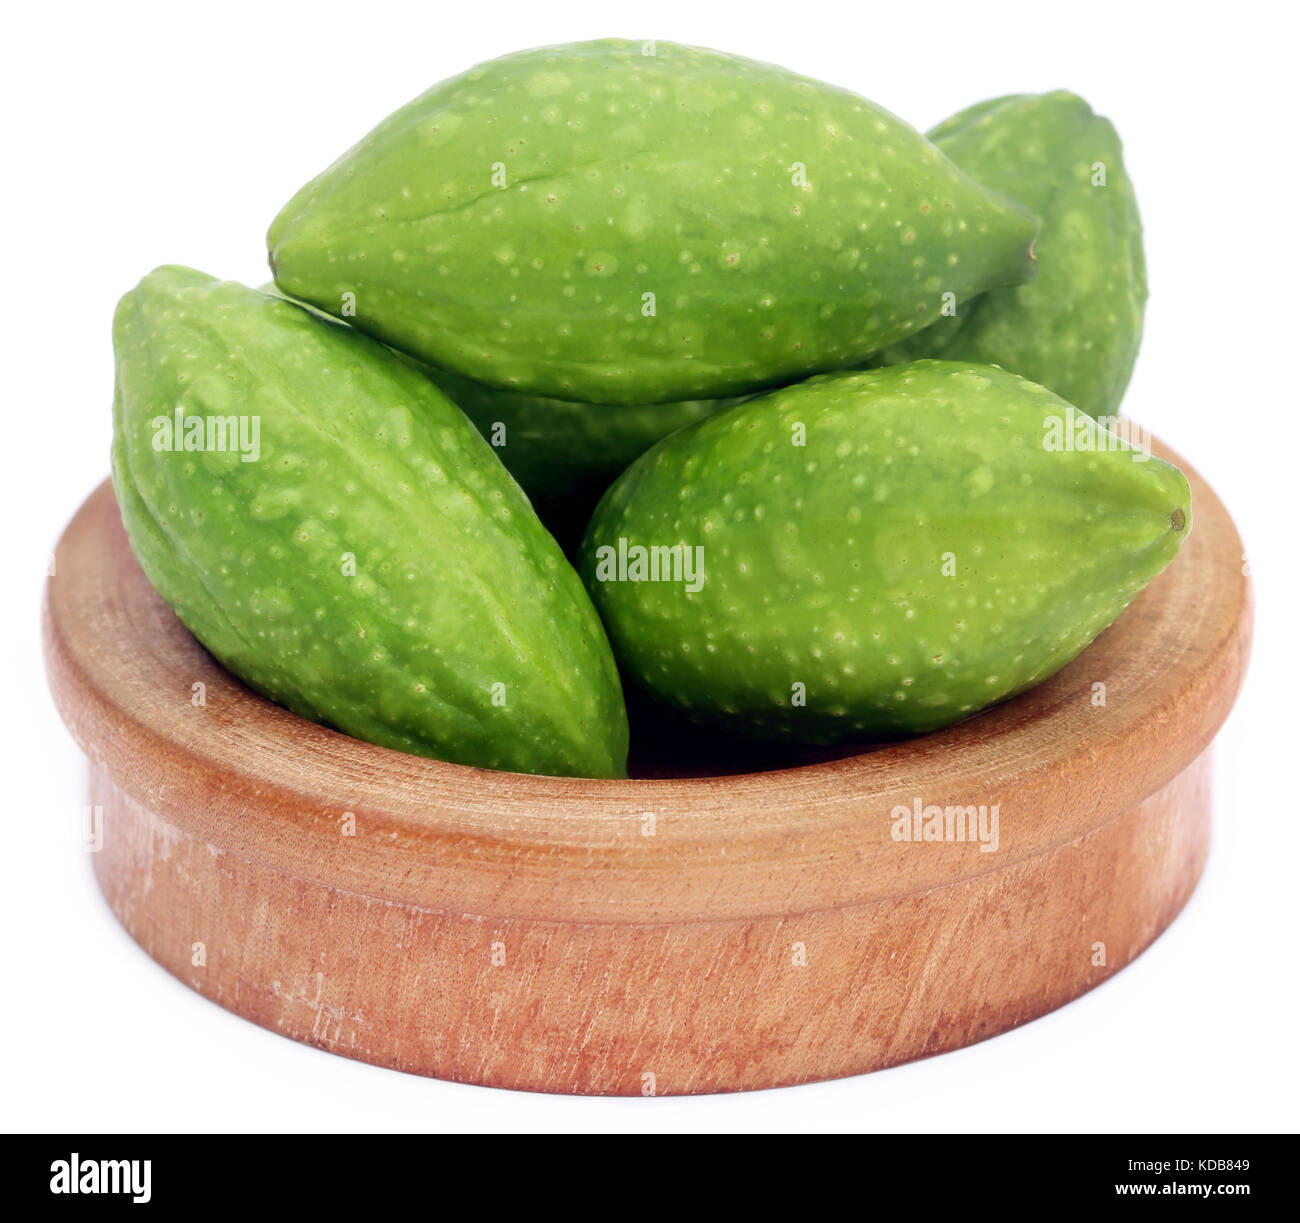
[{"x": 260, "y": 781}]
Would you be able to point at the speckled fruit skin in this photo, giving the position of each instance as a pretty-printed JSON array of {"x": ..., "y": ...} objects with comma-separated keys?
[
  {"x": 565, "y": 454},
  {"x": 457, "y": 586},
  {"x": 1077, "y": 328},
  {"x": 623, "y": 222},
  {"x": 827, "y": 565}
]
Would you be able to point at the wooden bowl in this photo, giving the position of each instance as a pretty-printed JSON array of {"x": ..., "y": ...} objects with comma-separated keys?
[{"x": 658, "y": 935}]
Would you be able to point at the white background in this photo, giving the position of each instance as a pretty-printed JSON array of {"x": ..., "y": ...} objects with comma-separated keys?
[{"x": 138, "y": 135}]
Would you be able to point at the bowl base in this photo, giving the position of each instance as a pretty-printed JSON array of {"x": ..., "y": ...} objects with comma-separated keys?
[{"x": 654, "y": 1008}]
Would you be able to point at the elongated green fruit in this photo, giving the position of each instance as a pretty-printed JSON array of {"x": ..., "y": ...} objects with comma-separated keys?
[
  {"x": 565, "y": 454},
  {"x": 336, "y": 533},
  {"x": 1077, "y": 328},
  {"x": 875, "y": 553},
  {"x": 622, "y": 222},
  {"x": 556, "y": 448}
]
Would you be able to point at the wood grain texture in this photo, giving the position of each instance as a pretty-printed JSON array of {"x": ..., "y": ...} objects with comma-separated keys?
[{"x": 526, "y": 932}]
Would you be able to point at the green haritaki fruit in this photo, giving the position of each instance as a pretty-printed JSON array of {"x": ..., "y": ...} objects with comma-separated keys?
[
  {"x": 876, "y": 553},
  {"x": 625, "y": 222},
  {"x": 1076, "y": 329},
  {"x": 330, "y": 526},
  {"x": 564, "y": 454}
]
